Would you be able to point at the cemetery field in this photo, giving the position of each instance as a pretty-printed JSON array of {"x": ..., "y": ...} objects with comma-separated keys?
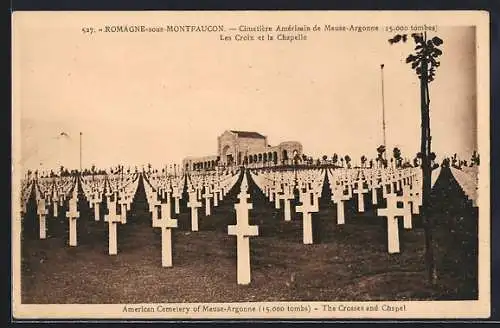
[{"x": 347, "y": 262}]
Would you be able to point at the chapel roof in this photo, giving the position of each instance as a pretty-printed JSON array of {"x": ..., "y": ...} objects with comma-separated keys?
[{"x": 248, "y": 134}]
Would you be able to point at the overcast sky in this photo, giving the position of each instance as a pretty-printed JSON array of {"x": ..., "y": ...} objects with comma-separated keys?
[{"x": 157, "y": 98}]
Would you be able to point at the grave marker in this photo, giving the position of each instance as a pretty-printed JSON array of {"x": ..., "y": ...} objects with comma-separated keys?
[
  {"x": 194, "y": 204},
  {"x": 166, "y": 223},
  {"x": 42, "y": 218},
  {"x": 360, "y": 190},
  {"x": 113, "y": 219},
  {"x": 207, "y": 195},
  {"x": 307, "y": 209},
  {"x": 391, "y": 213},
  {"x": 72, "y": 216},
  {"x": 242, "y": 230}
]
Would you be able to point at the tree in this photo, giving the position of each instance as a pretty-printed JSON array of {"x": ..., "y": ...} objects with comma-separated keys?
[
  {"x": 363, "y": 161},
  {"x": 380, "y": 154},
  {"x": 335, "y": 158},
  {"x": 475, "y": 158},
  {"x": 424, "y": 62},
  {"x": 454, "y": 160},
  {"x": 415, "y": 162},
  {"x": 347, "y": 161},
  {"x": 396, "y": 153}
]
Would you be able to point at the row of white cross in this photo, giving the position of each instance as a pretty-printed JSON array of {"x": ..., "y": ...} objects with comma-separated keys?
[
  {"x": 53, "y": 191},
  {"x": 162, "y": 191},
  {"x": 344, "y": 184},
  {"x": 161, "y": 199},
  {"x": 72, "y": 214}
]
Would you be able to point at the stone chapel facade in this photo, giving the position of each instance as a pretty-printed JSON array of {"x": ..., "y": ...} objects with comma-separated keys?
[{"x": 245, "y": 148}]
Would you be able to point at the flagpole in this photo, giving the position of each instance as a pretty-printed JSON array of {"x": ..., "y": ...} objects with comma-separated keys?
[
  {"x": 383, "y": 106},
  {"x": 80, "y": 152}
]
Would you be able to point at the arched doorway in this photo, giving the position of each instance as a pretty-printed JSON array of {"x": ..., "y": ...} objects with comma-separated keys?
[
  {"x": 296, "y": 157},
  {"x": 284, "y": 157},
  {"x": 225, "y": 156}
]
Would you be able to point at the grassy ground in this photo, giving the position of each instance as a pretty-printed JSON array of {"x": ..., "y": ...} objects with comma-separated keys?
[{"x": 348, "y": 262}]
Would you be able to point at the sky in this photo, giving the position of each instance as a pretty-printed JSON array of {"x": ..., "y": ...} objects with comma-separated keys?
[{"x": 159, "y": 97}]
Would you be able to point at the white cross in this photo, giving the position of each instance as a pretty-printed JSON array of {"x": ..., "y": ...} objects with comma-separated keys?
[
  {"x": 287, "y": 196},
  {"x": 113, "y": 219},
  {"x": 360, "y": 190},
  {"x": 277, "y": 197},
  {"x": 92, "y": 197},
  {"x": 42, "y": 218},
  {"x": 198, "y": 191},
  {"x": 242, "y": 230},
  {"x": 339, "y": 198},
  {"x": 272, "y": 194},
  {"x": 96, "y": 201},
  {"x": 72, "y": 215},
  {"x": 207, "y": 195},
  {"x": 415, "y": 198},
  {"x": 55, "y": 205},
  {"x": 386, "y": 186},
  {"x": 406, "y": 200},
  {"x": 154, "y": 205},
  {"x": 216, "y": 192},
  {"x": 399, "y": 183},
  {"x": 110, "y": 201},
  {"x": 123, "y": 203},
  {"x": 306, "y": 209},
  {"x": 177, "y": 196},
  {"x": 374, "y": 186},
  {"x": 194, "y": 204},
  {"x": 391, "y": 213},
  {"x": 166, "y": 223}
]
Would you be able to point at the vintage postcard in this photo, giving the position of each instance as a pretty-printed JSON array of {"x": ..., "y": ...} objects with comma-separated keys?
[{"x": 244, "y": 165}]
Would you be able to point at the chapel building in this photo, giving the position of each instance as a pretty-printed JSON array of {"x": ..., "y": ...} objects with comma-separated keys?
[{"x": 245, "y": 148}]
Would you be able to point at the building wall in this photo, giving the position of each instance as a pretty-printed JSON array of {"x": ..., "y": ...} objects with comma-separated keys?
[
  {"x": 230, "y": 144},
  {"x": 204, "y": 162},
  {"x": 246, "y": 146},
  {"x": 278, "y": 155},
  {"x": 289, "y": 147},
  {"x": 252, "y": 152},
  {"x": 226, "y": 146},
  {"x": 251, "y": 145}
]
